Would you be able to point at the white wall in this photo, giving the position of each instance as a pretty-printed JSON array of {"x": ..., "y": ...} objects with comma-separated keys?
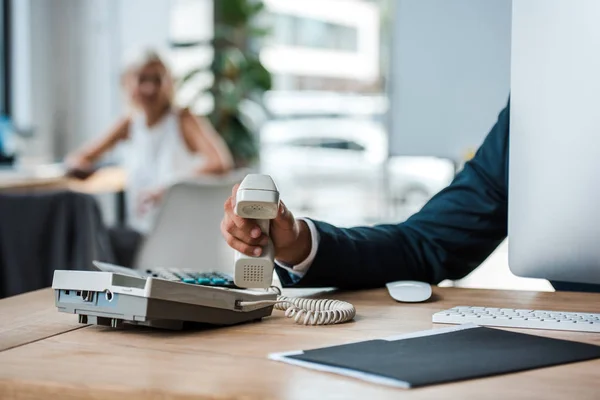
[
  {"x": 32, "y": 72},
  {"x": 68, "y": 59},
  {"x": 83, "y": 56},
  {"x": 450, "y": 74}
]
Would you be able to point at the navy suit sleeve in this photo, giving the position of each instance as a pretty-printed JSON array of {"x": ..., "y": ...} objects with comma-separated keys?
[{"x": 453, "y": 233}]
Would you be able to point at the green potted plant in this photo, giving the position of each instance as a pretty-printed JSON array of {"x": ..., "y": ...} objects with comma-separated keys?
[{"x": 239, "y": 76}]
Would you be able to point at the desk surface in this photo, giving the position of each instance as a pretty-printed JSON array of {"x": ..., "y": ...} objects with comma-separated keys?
[
  {"x": 105, "y": 180},
  {"x": 54, "y": 358}
]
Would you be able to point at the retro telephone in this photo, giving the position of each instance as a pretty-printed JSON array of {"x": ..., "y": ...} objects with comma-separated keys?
[{"x": 257, "y": 198}]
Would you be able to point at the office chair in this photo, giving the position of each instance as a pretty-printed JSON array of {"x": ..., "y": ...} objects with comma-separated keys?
[
  {"x": 187, "y": 234},
  {"x": 43, "y": 232}
]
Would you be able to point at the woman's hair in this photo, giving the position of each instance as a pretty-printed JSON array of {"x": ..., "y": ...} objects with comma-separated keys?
[{"x": 138, "y": 60}]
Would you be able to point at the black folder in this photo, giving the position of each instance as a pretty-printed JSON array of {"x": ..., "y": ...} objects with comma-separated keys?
[{"x": 454, "y": 355}]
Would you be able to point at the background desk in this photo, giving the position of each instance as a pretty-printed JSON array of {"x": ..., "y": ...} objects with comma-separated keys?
[
  {"x": 105, "y": 181},
  {"x": 47, "y": 355}
]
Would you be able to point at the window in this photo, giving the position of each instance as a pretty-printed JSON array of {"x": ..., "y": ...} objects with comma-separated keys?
[
  {"x": 291, "y": 30},
  {"x": 321, "y": 39},
  {"x": 327, "y": 143},
  {"x": 191, "y": 29}
]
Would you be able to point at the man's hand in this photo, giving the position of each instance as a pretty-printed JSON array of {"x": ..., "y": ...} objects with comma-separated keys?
[{"x": 290, "y": 237}]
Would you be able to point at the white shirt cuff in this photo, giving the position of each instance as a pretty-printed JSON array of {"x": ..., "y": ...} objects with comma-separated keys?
[{"x": 302, "y": 268}]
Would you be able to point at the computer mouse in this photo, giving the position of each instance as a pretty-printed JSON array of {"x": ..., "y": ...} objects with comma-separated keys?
[{"x": 409, "y": 291}]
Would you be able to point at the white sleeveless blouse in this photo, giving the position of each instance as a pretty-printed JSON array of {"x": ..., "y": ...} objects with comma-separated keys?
[{"x": 154, "y": 157}]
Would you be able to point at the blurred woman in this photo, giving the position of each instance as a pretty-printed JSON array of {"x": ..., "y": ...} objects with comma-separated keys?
[{"x": 163, "y": 143}]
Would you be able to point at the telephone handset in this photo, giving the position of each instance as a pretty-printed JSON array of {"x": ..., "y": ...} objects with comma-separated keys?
[{"x": 257, "y": 198}]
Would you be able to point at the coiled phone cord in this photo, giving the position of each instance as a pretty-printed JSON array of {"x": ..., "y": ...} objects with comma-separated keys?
[{"x": 309, "y": 311}]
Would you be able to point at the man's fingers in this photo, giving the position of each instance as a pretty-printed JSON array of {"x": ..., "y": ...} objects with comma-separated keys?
[
  {"x": 241, "y": 234},
  {"x": 230, "y": 227},
  {"x": 234, "y": 191},
  {"x": 240, "y": 246}
]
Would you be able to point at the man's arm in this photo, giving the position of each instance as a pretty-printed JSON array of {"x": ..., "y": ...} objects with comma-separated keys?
[{"x": 453, "y": 233}]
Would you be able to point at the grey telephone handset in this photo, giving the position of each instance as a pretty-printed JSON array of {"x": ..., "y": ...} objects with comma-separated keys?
[{"x": 258, "y": 198}]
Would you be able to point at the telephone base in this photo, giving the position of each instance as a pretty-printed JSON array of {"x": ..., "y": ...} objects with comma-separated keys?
[{"x": 111, "y": 299}]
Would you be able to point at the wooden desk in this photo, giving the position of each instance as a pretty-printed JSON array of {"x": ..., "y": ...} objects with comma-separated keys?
[
  {"x": 230, "y": 363},
  {"x": 29, "y": 317},
  {"x": 106, "y": 180}
]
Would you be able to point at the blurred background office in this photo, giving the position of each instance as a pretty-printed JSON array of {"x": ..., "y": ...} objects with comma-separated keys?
[{"x": 361, "y": 110}]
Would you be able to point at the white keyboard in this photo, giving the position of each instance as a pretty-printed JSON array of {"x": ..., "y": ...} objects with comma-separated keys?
[{"x": 517, "y": 318}]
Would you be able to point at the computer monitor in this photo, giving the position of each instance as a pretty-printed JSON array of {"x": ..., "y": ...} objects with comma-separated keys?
[{"x": 554, "y": 164}]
